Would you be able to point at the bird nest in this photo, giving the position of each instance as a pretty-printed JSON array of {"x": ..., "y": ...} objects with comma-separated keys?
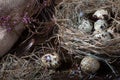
[
  {"x": 69, "y": 14},
  {"x": 75, "y": 39},
  {"x": 58, "y": 32}
]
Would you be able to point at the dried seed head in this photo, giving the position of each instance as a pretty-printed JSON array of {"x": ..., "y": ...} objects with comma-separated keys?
[
  {"x": 101, "y": 14},
  {"x": 100, "y": 25},
  {"x": 85, "y": 26},
  {"x": 51, "y": 60},
  {"x": 89, "y": 64}
]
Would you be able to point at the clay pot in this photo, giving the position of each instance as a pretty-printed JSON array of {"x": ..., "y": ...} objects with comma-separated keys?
[{"x": 11, "y": 11}]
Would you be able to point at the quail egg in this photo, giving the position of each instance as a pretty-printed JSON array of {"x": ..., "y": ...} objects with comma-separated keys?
[
  {"x": 89, "y": 64},
  {"x": 85, "y": 26},
  {"x": 50, "y": 60},
  {"x": 101, "y": 14},
  {"x": 100, "y": 25},
  {"x": 104, "y": 36}
]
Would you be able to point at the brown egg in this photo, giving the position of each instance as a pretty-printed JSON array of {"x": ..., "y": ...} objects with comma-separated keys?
[
  {"x": 51, "y": 60},
  {"x": 89, "y": 64}
]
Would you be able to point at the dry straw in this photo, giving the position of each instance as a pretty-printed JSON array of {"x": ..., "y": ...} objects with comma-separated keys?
[{"x": 68, "y": 15}]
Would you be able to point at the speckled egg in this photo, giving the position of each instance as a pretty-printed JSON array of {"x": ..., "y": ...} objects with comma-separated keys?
[
  {"x": 50, "y": 60},
  {"x": 101, "y": 14},
  {"x": 89, "y": 64},
  {"x": 85, "y": 26},
  {"x": 100, "y": 25},
  {"x": 104, "y": 36}
]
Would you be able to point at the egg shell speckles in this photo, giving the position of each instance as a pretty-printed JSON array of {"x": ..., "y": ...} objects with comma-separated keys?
[
  {"x": 101, "y": 14},
  {"x": 85, "y": 26},
  {"x": 100, "y": 25},
  {"x": 104, "y": 36},
  {"x": 89, "y": 64}
]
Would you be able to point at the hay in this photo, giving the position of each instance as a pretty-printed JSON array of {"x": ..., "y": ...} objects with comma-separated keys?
[{"x": 28, "y": 66}]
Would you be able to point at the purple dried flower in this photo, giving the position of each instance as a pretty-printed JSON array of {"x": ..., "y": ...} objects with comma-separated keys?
[
  {"x": 26, "y": 19},
  {"x": 9, "y": 29}
]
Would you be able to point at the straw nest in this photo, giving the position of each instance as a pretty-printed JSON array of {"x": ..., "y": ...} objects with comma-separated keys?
[{"x": 55, "y": 29}]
